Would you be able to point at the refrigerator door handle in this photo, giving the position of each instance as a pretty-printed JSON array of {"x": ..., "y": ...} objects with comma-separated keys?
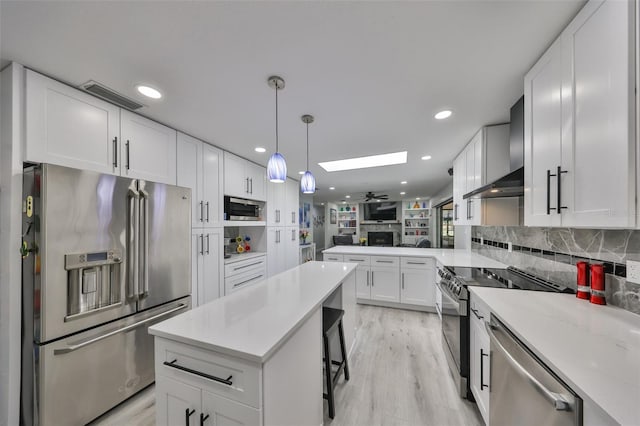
[
  {"x": 132, "y": 241},
  {"x": 144, "y": 271},
  {"x": 88, "y": 342}
]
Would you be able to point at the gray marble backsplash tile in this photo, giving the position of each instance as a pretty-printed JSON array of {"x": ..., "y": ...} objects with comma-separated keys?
[{"x": 551, "y": 253}]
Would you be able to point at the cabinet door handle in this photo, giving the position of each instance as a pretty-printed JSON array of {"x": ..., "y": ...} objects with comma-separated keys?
[
  {"x": 187, "y": 415},
  {"x": 201, "y": 211},
  {"x": 403, "y": 280},
  {"x": 293, "y": 217},
  {"x": 475, "y": 312},
  {"x": 127, "y": 146},
  {"x": 203, "y": 418},
  {"x": 202, "y": 244},
  {"x": 251, "y": 183},
  {"x": 367, "y": 278},
  {"x": 482, "y": 355},
  {"x": 207, "y": 203},
  {"x": 277, "y": 216},
  {"x": 549, "y": 208},
  {"x": 173, "y": 364},
  {"x": 115, "y": 152},
  {"x": 247, "y": 184},
  {"x": 558, "y": 177},
  {"x": 371, "y": 278},
  {"x": 455, "y": 212},
  {"x": 470, "y": 209},
  {"x": 293, "y": 235},
  {"x": 208, "y": 243}
]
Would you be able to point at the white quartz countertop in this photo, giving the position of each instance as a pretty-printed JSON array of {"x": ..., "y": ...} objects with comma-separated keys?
[
  {"x": 594, "y": 349},
  {"x": 448, "y": 257},
  {"x": 254, "y": 322}
]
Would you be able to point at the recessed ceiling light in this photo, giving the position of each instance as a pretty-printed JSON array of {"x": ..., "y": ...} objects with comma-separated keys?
[
  {"x": 426, "y": 157},
  {"x": 417, "y": 198},
  {"x": 149, "y": 92},
  {"x": 301, "y": 172},
  {"x": 347, "y": 196},
  {"x": 260, "y": 149},
  {"x": 332, "y": 188},
  {"x": 365, "y": 162},
  {"x": 402, "y": 193},
  {"x": 344, "y": 202},
  {"x": 322, "y": 204},
  {"x": 404, "y": 182},
  {"x": 495, "y": 190},
  {"x": 443, "y": 114},
  {"x": 378, "y": 201}
]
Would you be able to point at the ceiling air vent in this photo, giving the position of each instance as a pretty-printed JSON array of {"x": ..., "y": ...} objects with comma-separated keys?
[{"x": 110, "y": 95}]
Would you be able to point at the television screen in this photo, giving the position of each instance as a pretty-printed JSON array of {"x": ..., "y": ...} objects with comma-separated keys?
[{"x": 380, "y": 211}]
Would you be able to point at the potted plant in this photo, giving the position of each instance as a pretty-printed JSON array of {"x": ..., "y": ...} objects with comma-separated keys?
[{"x": 303, "y": 236}]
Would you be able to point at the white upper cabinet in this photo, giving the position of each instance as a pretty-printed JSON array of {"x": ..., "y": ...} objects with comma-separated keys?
[
  {"x": 276, "y": 204},
  {"x": 459, "y": 185},
  {"x": 200, "y": 168},
  {"x": 148, "y": 149},
  {"x": 542, "y": 138},
  {"x": 580, "y": 147},
  {"x": 292, "y": 201},
  {"x": 68, "y": 127},
  {"x": 244, "y": 179}
]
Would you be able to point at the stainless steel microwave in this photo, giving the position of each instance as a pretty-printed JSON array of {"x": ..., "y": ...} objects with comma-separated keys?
[{"x": 241, "y": 209}]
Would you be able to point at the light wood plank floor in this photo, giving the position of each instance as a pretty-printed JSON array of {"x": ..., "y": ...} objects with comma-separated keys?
[{"x": 399, "y": 376}]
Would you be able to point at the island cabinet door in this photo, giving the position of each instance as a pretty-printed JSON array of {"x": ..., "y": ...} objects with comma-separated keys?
[
  {"x": 385, "y": 284},
  {"x": 218, "y": 411},
  {"x": 363, "y": 287},
  {"x": 417, "y": 287},
  {"x": 176, "y": 403}
]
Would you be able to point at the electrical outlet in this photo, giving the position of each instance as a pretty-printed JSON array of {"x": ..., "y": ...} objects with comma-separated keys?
[
  {"x": 633, "y": 271},
  {"x": 510, "y": 246}
]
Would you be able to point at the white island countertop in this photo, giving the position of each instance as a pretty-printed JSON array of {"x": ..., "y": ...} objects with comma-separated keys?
[
  {"x": 594, "y": 349},
  {"x": 448, "y": 257},
  {"x": 253, "y": 323}
]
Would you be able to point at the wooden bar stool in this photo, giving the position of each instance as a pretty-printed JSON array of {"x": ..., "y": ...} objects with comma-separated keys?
[{"x": 332, "y": 319}]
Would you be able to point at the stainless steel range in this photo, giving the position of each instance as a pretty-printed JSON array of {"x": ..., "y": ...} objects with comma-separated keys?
[{"x": 453, "y": 283}]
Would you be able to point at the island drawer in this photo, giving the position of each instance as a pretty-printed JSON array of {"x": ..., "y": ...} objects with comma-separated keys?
[
  {"x": 232, "y": 378},
  {"x": 356, "y": 258},
  {"x": 385, "y": 261},
  {"x": 418, "y": 262}
]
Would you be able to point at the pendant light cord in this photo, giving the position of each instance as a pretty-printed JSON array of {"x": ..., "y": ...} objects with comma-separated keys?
[
  {"x": 277, "y": 117},
  {"x": 307, "y": 146}
]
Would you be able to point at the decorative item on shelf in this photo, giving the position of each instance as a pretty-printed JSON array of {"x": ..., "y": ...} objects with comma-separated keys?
[
  {"x": 341, "y": 209},
  {"x": 416, "y": 205},
  {"x": 277, "y": 166},
  {"x": 308, "y": 182},
  {"x": 243, "y": 244},
  {"x": 424, "y": 204},
  {"x": 363, "y": 241},
  {"x": 303, "y": 236}
]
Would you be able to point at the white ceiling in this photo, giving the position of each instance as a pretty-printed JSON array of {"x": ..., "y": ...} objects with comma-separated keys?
[{"x": 372, "y": 73}]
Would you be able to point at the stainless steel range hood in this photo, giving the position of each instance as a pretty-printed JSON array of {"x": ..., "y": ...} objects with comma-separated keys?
[{"x": 512, "y": 184}]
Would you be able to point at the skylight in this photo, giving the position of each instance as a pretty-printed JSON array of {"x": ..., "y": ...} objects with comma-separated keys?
[{"x": 365, "y": 162}]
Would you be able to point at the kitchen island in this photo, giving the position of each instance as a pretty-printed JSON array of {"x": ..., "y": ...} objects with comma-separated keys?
[{"x": 255, "y": 356}]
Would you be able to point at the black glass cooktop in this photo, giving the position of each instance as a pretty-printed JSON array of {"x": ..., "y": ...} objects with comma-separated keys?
[{"x": 507, "y": 278}]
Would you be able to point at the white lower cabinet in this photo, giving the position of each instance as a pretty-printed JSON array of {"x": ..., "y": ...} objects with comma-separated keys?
[
  {"x": 177, "y": 403},
  {"x": 417, "y": 282},
  {"x": 363, "y": 287},
  {"x": 217, "y": 410},
  {"x": 244, "y": 273},
  {"x": 206, "y": 266},
  {"x": 479, "y": 353},
  {"x": 385, "y": 278}
]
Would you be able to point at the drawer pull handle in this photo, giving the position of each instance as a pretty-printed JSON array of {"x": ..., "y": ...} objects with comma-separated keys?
[
  {"x": 416, "y": 263},
  {"x": 173, "y": 364},
  {"x": 246, "y": 266},
  {"x": 384, "y": 261},
  {"x": 246, "y": 281},
  {"x": 203, "y": 418},
  {"x": 187, "y": 415}
]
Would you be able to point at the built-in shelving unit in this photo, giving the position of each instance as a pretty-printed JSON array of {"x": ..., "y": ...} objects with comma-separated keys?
[
  {"x": 416, "y": 220},
  {"x": 348, "y": 220}
]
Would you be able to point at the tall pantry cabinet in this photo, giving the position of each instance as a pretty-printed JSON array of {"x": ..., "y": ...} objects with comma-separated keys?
[{"x": 200, "y": 167}]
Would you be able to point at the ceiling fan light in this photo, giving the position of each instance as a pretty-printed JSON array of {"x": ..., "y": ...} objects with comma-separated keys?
[
  {"x": 277, "y": 168},
  {"x": 308, "y": 183}
]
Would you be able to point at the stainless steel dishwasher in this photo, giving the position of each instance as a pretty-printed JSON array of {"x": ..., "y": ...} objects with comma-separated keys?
[{"x": 523, "y": 390}]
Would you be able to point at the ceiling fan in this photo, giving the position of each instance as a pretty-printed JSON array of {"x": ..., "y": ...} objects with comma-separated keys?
[{"x": 371, "y": 196}]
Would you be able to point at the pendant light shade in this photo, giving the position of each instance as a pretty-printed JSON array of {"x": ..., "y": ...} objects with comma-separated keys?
[
  {"x": 277, "y": 166},
  {"x": 308, "y": 182}
]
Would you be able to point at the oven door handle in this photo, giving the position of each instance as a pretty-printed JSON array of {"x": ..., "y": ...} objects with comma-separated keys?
[{"x": 81, "y": 345}]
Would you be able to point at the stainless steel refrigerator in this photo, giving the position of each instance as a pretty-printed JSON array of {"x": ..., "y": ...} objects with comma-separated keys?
[{"x": 104, "y": 257}]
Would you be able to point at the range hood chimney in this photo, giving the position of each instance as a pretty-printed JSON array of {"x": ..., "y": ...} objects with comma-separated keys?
[{"x": 512, "y": 184}]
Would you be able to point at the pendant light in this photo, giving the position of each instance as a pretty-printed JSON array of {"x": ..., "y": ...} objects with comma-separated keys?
[
  {"x": 308, "y": 182},
  {"x": 277, "y": 166}
]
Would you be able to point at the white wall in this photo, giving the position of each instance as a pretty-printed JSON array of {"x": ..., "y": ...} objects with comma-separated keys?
[
  {"x": 329, "y": 229},
  {"x": 11, "y": 105}
]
